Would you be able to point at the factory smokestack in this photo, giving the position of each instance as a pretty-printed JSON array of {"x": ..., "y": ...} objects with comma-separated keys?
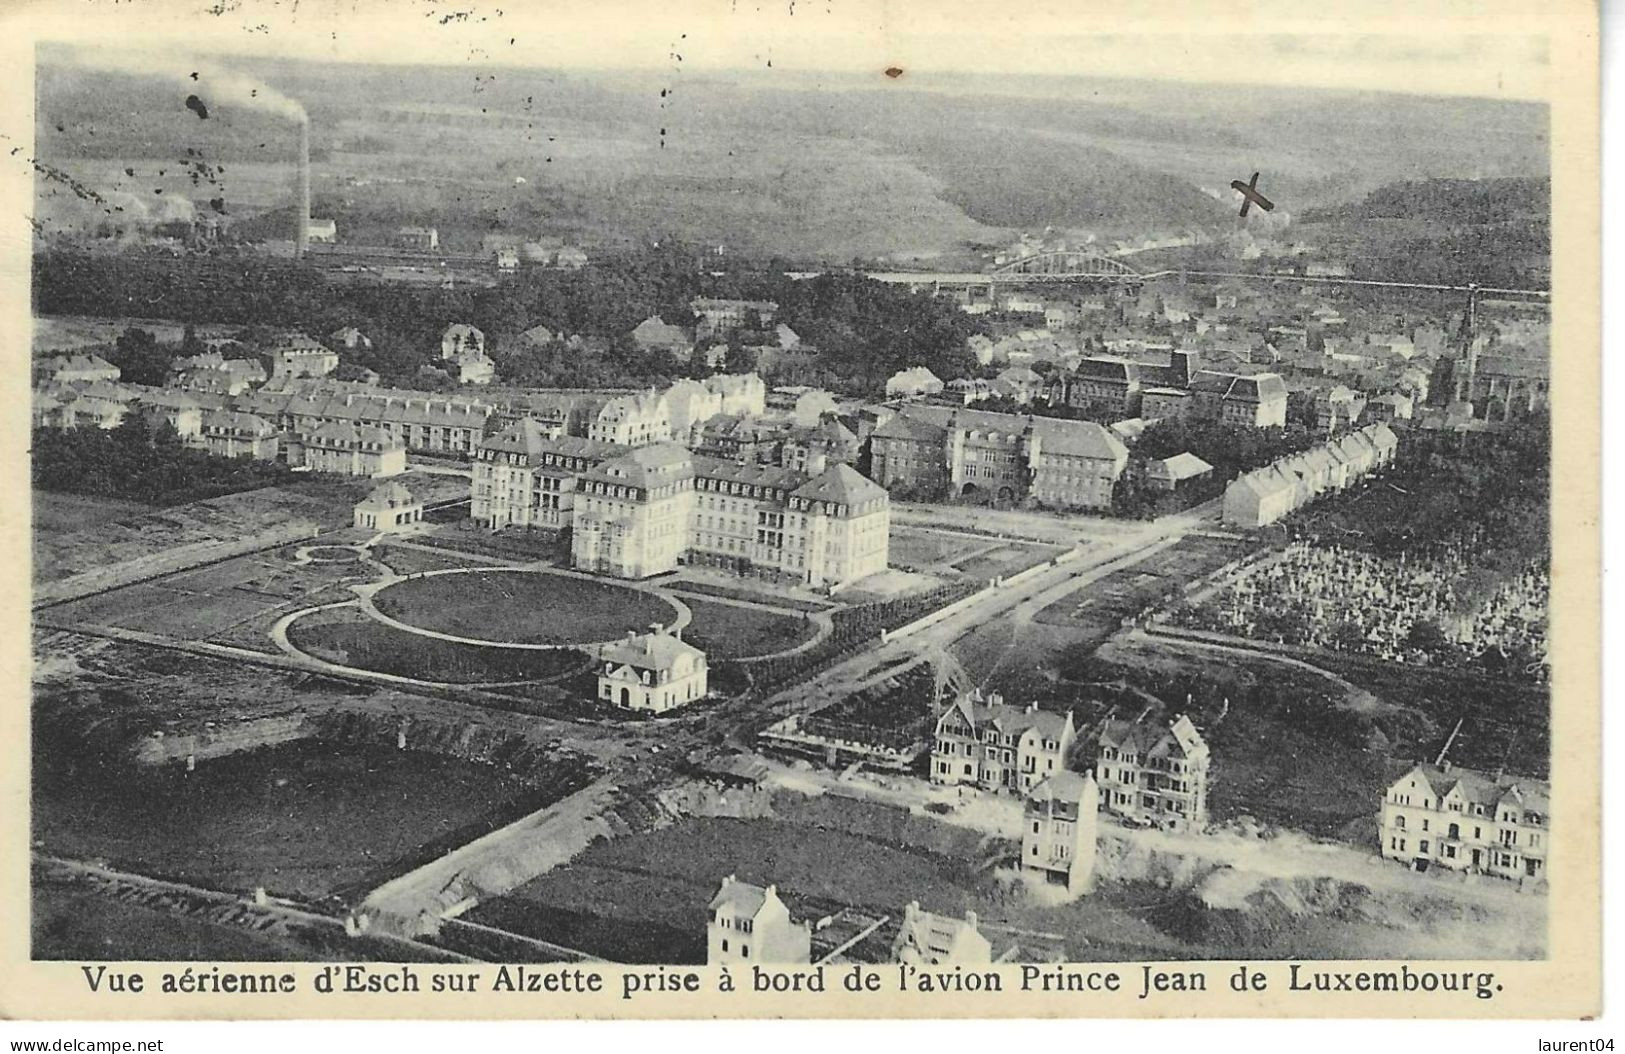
[{"x": 301, "y": 205}]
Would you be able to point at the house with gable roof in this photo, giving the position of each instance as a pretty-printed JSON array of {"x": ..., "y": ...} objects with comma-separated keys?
[
  {"x": 655, "y": 334},
  {"x": 1173, "y": 473},
  {"x": 632, "y": 420},
  {"x": 299, "y": 355},
  {"x": 926, "y": 938},
  {"x": 986, "y": 743},
  {"x": 750, "y": 924},
  {"x": 1154, "y": 774},
  {"x": 1466, "y": 820},
  {"x": 1259, "y": 497}
]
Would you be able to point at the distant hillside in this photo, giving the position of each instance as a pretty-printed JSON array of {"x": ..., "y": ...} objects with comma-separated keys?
[
  {"x": 1013, "y": 178},
  {"x": 1492, "y": 231},
  {"x": 804, "y": 166},
  {"x": 1473, "y": 202}
]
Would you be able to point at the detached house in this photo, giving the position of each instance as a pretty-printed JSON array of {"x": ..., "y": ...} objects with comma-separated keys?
[
  {"x": 1468, "y": 821},
  {"x": 655, "y": 334},
  {"x": 1058, "y": 832},
  {"x": 1155, "y": 775},
  {"x": 463, "y": 346},
  {"x": 930, "y": 939},
  {"x": 990, "y": 745},
  {"x": 390, "y": 507},
  {"x": 297, "y": 355},
  {"x": 750, "y": 924},
  {"x": 655, "y": 672}
]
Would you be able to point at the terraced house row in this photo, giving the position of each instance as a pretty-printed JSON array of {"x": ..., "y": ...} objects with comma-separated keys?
[
  {"x": 1264, "y": 495},
  {"x": 641, "y": 512}
]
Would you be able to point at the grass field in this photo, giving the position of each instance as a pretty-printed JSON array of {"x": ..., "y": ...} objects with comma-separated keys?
[
  {"x": 74, "y": 512},
  {"x": 349, "y": 637},
  {"x": 644, "y": 896},
  {"x": 302, "y": 819},
  {"x": 68, "y": 925},
  {"x": 755, "y": 596},
  {"x": 94, "y": 544},
  {"x": 523, "y": 607},
  {"x": 405, "y": 561},
  {"x": 726, "y": 631}
]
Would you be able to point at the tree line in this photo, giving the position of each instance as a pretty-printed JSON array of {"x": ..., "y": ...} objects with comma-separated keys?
[
  {"x": 143, "y": 460},
  {"x": 863, "y": 330}
]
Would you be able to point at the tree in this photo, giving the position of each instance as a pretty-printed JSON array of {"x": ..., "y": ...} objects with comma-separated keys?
[
  {"x": 740, "y": 358},
  {"x": 1426, "y": 637},
  {"x": 190, "y": 344},
  {"x": 699, "y": 362},
  {"x": 139, "y": 358}
]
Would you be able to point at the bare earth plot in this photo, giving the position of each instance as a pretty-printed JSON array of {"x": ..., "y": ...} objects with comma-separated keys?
[
  {"x": 1002, "y": 561},
  {"x": 1100, "y": 608},
  {"x": 233, "y": 602},
  {"x": 916, "y": 549}
]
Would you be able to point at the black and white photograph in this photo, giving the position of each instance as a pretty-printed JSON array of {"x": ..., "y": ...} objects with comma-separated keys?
[{"x": 725, "y": 510}]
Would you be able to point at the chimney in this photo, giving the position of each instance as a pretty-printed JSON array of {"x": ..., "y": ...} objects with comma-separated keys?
[{"x": 301, "y": 205}]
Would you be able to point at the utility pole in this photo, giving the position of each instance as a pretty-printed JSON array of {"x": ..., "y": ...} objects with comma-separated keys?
[{"x": 1439, "y": 761}]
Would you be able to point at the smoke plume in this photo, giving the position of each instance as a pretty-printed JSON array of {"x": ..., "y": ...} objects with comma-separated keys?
[{"x": 209, "y": 82}]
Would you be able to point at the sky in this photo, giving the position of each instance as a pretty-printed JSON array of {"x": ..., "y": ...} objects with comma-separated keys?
[{"x": 1486, "y": 48}]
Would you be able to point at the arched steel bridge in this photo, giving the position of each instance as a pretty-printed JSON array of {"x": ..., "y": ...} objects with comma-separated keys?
[{"x": 1068, "y": 265}]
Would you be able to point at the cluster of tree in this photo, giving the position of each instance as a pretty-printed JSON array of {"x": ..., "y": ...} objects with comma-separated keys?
[
  {"x": 1482, "y": 494},
  {"x": 1456, "y": 201},
  {"x": 864, "y": 330},
  {"x": 140, "y": 358},
  {"x": 1230, "y": 449},
  {"x": 142, "y": 460},
  {"x": 1493, "y": 231},
  {"x": 1134, "y": 499}
]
